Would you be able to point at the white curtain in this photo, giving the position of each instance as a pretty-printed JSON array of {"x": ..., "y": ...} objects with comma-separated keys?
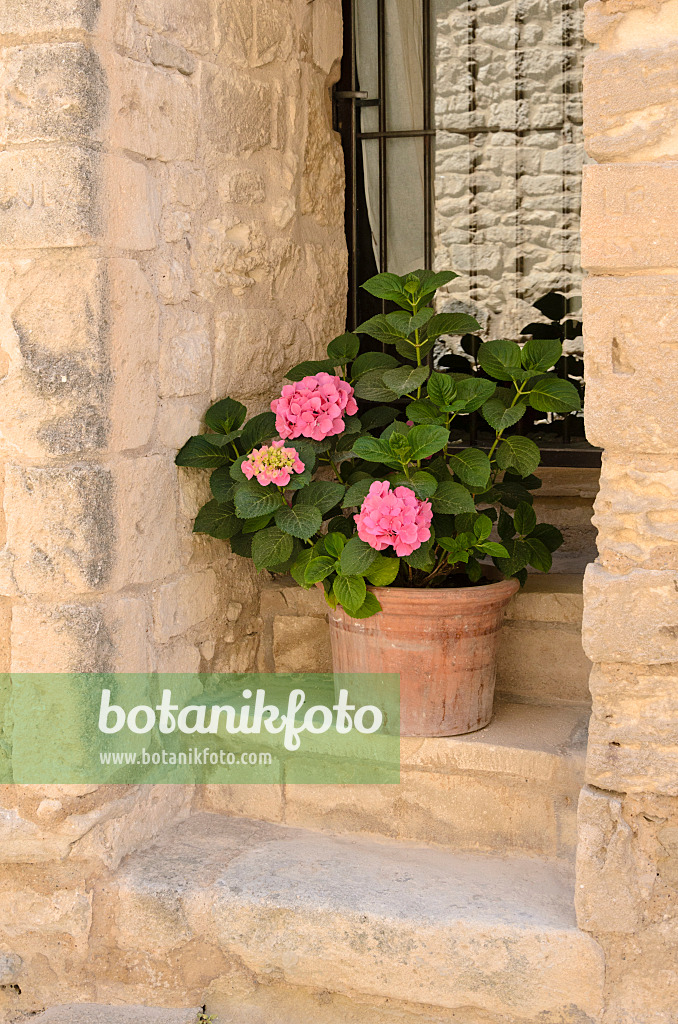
[{"x": 404, "y": 110}]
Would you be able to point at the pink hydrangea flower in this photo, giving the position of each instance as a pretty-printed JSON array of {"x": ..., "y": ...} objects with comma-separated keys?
[
  {"x": 314, "y": 407},
  {"x": 394, "y": 518},
  {"x": 273, "y": 464}
]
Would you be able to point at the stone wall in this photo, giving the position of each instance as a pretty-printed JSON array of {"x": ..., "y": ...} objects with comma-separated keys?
[
  {"x": 628, "y": 849},
  {"x": 509, "y": 153},
  {"x": 171, "y": 230}
]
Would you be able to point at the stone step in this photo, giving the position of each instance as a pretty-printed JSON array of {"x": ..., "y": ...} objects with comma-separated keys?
[
  {"x": 540, "y": 655},
  {"x": 98, "y": 1013},
  {"x": 513, "y": 786},
  {"x": 222, "y": 906}
]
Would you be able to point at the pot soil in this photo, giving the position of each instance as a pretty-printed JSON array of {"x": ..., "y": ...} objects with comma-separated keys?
[{"x": 442, "y": 642}]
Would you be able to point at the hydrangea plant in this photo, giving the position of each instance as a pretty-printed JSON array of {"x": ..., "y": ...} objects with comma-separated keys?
[{"x": 351, "y": 481}]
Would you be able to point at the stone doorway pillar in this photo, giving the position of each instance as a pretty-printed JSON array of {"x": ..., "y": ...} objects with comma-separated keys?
[{"x": 627, "y": 878}]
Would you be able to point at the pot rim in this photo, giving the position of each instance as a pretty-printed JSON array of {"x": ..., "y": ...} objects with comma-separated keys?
[{"x": 510, "y": 586}]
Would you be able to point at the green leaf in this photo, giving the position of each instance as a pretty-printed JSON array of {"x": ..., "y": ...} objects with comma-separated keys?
[
  {"x": 260, "y": 428},
  {"x": 505, "y": 527},
  {"x": 357, "y": 493},
  {"x": 310, "y": 367},
  {"x": 440, "y": 388},
  {"x": 386, "y": 286},
  {"x": 371, "y": 361},
  {"x": 256, "y": 524},
  {"x": 323, "y": 494},
  {"x": 525, "y": 519},
  {"x": 235, "y": 471},
  {"x": 374, "y": 449},
  {"x": 271, "y": 547},
  {"x": 472, "y": 467},
  {"x": 305, "y": 450},
  {"x": 357, "y": 557},
  {"x": 218, "y": 520},
  {"x": 500, "y": 413},
  {"x": 452, "y": 498},
  {"x": 371, "y": 387},
  {"x": 405, "y": 379},
  {"x": 510, "y": 493},
  {"x": 423, "y": 484},
  {"x": 221, "y": 484},
  {"x": 334, "y": 544},
  {"x": 300, "y": 480},
  {"x": 474, "y": 570},
  {"x": 426, "y": 440},
  {"x": 423, "y": 411},
  {"x": 368, "y": 608},
  {"x": 300, "y": 521},
  {"x": 252, "y": 500},
  {"x": 474, "y": 392},
  {"x": 318, "y": 569},
  {"x": 429, "y": 282},
  {"x": 518, "y": 453},
  {"x": 350, "y": 592},
  {"x": 383, "y": 571},
  {"x": 207, "y": 451},
  {"x": 241, "y": 544},
  {"x": 343, "y": 349},
  {"x": 540, "y": 556},
  {"x": 342, "y": 525},
  {"x": 378, "y": 417},
  {"x": 383, "y": 327},
  {"x": 550, "y": 537},
  {"x": 552, "y": 394},
  {"x": 500, "y": 359},
  {"x": 519, "y": 556},
  {"x": 452, "y": 323},
  {"x": 225, "y": 416},
  {"x": 493, "y": 549},
  {"x": 541, "y": 354},
  {"x": 482, "y": 528},
  {"x": 298, "y": 570},
  {"x": 422, "y": 557}
]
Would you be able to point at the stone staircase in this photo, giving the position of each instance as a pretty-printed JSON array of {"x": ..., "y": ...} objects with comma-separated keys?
[{"x": 448, "y": 898}]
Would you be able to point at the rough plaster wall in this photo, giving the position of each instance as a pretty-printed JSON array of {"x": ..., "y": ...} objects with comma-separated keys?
[
  {"x": 627, "y": 888},
  {"x": 171, "y": 230},
  {"x": 509, "y": 151}
]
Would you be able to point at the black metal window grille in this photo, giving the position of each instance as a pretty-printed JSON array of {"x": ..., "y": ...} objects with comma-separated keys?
[{"x": 561, "y": 439}]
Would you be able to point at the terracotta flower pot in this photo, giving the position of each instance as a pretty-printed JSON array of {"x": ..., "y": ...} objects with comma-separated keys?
[{"x": 443, "y": 643}]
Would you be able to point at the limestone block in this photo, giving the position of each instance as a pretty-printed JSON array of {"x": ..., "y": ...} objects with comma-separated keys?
[
  {"x": 612, "y": 880},
  {"x": 542, "y": 662},
  {"x": 322, "y": 183},
  {"x": 631, "y": 372},
  {"x": 178, "y": 657},
  {"x": 184, "y": 603},
  {"x": 190, "y": 26},
  {"x": 327, "y": 34},
  {"x": 67, "y": 196},
  {"x": 633, "y": 734},
  {"x": 166, "y": 54},
  {"x": 179, "y": 419},
  {"x": 635, "y": 513},
  {"x": 32, "y": 16},
  {"x": 256, "y": 33},
  {"x": 241, "y": 111},
  {"x": 242, "y": 186},
  {"x": 152, "y": 111},
  {"x": 631, "y": 105},
  {"x": 81, "y": 340},
  {"x": 106, "y": 635},
  {"x": 631, "y": 618},
  {"x": 60, "y": 912},
  {"x": 252, "y": 351},
  {"x": 77, "y": 528},
  {"x": 242, "y": 801},
  {"x": 185, "y": 356},
  {"x": 301, "y": 644},
  {"x": 51, "y": 92},
  {"x": 627, "y": 217},
  {"x": 619, "y": 25}
]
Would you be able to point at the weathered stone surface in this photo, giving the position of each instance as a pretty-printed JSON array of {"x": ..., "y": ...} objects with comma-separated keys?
[
  {"x": 153, "y": 111},
  {"x": 543, "y": 662},
  {"x": 185, "y": 356},
  {"x": 631, "y": 373},
  {"x": 632, "y": 105},
  {"x": 257, "y": 33},
  {"x": 242, "y": 112},
  {"x": 453, "y": 943},
  {"x": 51, "y": 92},
  {"x": 633, "y": 734},
  {"x": 626, "y": 223},
  {"x": 301, "y": 644},
  {"x": 246, "y": 343},
  {"x": 635, "y": 513},
  {"x": 109, "y": 635},
  {"x": 166, "y": 54},
  {"x": 97, "y": 1013},
  {"x": 69, "y": 196},
  {"x": 327, "y": 34},
  {"x": 619, "y": 25},
  {"x": 179, "y": 605},
  {"x": 32, "y": 16},
  {"x": 322, "y": 184},
  {"x": 643, "y": 611},
  {"x": 193, "y": 28}
]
